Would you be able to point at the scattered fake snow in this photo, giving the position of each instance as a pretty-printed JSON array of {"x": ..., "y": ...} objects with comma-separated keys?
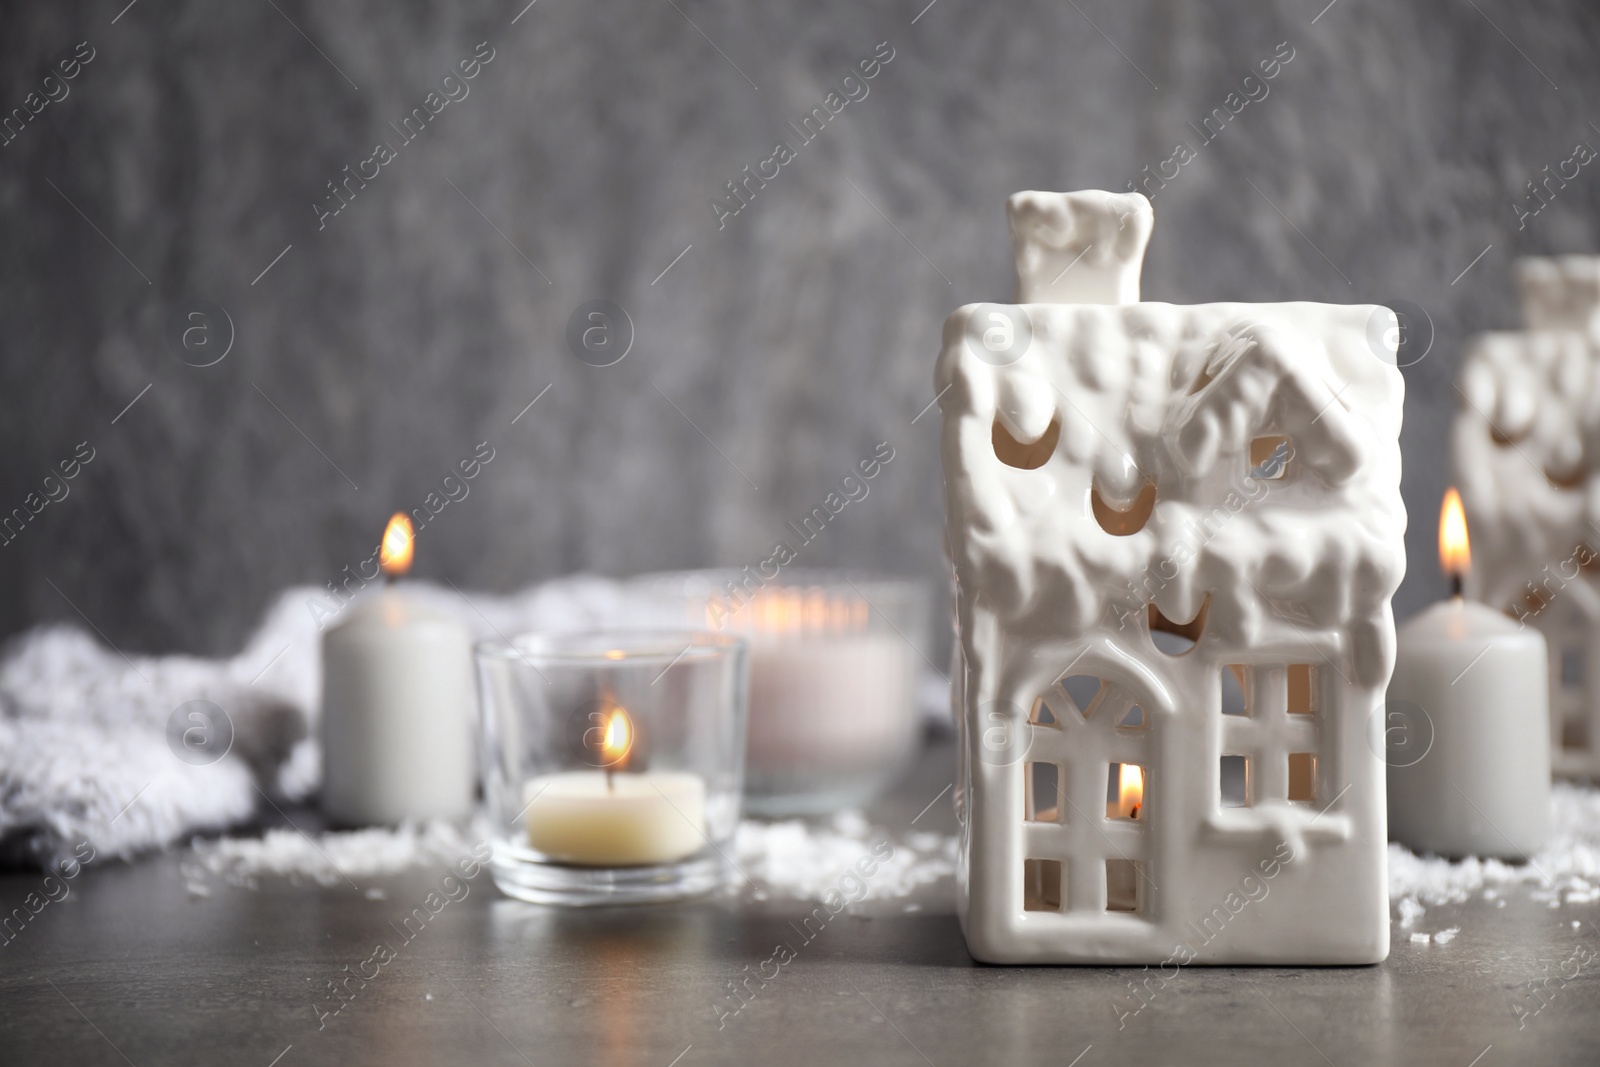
[
  {"x": 326, "y": 859},
  {"x": 788, "y": 859},
  {"x": 806, "y": 861},
  {"x": 795, "y": 859},
  {"x": 1565, "y": 871}
]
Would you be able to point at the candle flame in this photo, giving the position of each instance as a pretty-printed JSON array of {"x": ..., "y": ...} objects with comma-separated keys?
[
  {"x": 394, "y": 554},
  {"x": 1130, "y": 790},
  {"x": 1455, "y": 552},
  {"x": 617, "y": 738},
  {"x": 777, "y": 611}
]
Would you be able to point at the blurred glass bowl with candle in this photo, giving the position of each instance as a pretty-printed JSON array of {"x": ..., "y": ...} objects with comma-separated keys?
[{"x": 833, "y": 668}]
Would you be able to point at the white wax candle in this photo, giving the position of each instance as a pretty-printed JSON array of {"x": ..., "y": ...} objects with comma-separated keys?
[
  {"x": 396, "y": 714},
  {"x": 630, "y": 820},
  {"x": 1481, "y": 684}
]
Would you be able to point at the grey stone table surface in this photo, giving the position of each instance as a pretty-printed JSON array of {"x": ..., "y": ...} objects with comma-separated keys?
[{"x": 131, "y": 968}]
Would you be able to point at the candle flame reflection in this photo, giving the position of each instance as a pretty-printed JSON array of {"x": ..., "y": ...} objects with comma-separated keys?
[
  {"x": 394, "y": 554},
  {"x": 1455, "y": 551}
]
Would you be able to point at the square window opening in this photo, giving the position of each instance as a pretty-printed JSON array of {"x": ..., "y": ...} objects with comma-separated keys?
[
  {"x": 1302, "y": 689},
  {"x": 1122, "y": 885},
  {"x": 1575, "y": 733},
  {"x": 1235, "y": 781},
  {"x": 1125, "y": 785},
  {"x": 1044, "y": 792},
  {"x": 1235, "y": 678},
  {"x": 1041, "y": 885},
  {"x": 1302, "y": 777},
  {"x": 1571, "y": 668}
]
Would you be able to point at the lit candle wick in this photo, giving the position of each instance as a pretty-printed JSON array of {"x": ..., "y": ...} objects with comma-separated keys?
[
  {"x": 614, "y": 744},
  {"x": 1130, "y": 791},
  {"x": 1455, "y": 551},
  {"x": 395, "y": 551}
]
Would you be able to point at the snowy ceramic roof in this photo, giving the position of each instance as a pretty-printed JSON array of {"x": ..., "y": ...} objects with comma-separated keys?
[
  {"x": 1172, "y": 396},
  {"x": 1527, "y": 431}
]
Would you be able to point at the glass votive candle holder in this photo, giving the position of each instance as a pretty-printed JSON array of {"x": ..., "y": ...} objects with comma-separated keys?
[
  {"x": 613, "y": 763},
  {"x": 833, "y": 666}
]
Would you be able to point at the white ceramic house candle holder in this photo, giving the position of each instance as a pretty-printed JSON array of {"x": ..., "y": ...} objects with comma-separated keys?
[
  {"x": 1526, "y": 442},
  {"x": 1123, "y": 475}
]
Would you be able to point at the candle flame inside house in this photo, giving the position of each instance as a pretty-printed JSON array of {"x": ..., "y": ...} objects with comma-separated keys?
[
  {"x": 1130, "y": 790},
  {"x": 394, "y": 554},
  {"x": 616, "y": 739},
  {"x": 1455, "y": 552}
]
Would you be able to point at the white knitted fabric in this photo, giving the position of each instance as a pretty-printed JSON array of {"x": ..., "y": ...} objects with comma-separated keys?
[
  {"x": 83, "y": 730},
  {"x": 84, "y": 753}
]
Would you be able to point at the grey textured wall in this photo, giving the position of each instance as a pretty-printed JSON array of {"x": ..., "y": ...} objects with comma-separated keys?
[{"x": 775, "y": 353}]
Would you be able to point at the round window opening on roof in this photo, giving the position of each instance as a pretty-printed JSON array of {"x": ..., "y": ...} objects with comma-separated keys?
[
  {"x": 1026, "y": 455},
  {"x": 1120, "y": 522}
]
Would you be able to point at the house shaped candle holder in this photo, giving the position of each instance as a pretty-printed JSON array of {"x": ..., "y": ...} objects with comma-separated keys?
[
  {"x": 1156, "y": 511},
  {"x": 1526, "y": 439}
]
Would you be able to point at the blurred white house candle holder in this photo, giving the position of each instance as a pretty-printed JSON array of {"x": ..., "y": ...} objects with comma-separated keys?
[
  {"x": 612, "y": 762},
  {"x": 833, "y": 663},
  {"x": 1120, "y": 472},
  {"x": 1467, "y": 723},
  {"x": 396, "y": 705},
  {"x": 1526, "y": 444}
]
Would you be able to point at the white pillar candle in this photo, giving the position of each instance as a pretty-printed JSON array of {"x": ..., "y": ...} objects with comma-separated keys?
[
  {"x": 1468, "y": 725},
  {"x": 396, "y": 707},
  {"x": 624, "y": 819}
]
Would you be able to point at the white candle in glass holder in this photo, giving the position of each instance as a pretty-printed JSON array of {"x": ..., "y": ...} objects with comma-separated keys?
[
  {"x": 652, "y": 817},
  {"x": 1467, "y": 724},
  {"x": 826, "y": 701},
  {"x": 614, "y": 817},
  {"x": 831, "y": 701}
]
